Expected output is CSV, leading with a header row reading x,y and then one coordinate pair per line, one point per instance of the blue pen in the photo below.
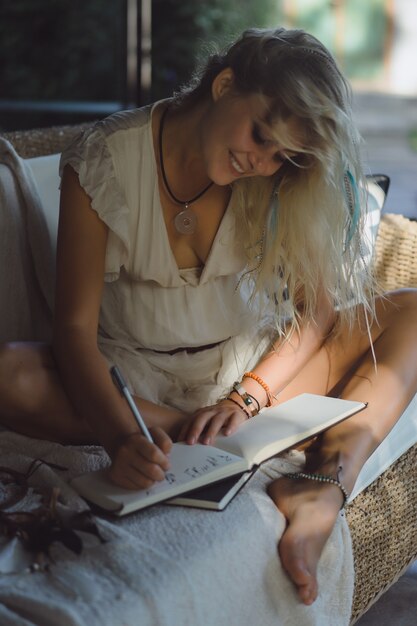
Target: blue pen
x,y
120,382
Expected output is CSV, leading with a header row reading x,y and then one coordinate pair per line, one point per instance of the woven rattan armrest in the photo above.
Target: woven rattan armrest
x,y
383,527
382,519
43,141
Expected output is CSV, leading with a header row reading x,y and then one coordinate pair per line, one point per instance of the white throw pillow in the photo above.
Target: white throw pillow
x,y
45,170
376,201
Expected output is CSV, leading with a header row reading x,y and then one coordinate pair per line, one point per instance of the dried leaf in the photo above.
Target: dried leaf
x,y
49,523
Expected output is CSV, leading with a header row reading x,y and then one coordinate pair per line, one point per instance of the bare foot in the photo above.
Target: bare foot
x,y
311,510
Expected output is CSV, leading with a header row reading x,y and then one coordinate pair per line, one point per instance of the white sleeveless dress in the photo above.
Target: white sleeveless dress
x,y
149,305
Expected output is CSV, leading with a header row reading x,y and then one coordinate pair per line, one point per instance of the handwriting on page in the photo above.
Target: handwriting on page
x,y
188,464
211,461
170,478
199,470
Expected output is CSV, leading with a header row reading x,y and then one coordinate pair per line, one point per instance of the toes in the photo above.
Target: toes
x,y
298,560
311,512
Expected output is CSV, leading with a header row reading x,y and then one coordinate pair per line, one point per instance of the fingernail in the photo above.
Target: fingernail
x,y
207,441
191,441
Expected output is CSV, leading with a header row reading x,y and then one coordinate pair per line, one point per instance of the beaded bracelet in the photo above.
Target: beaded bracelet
x,y
263,384
240,406
323,479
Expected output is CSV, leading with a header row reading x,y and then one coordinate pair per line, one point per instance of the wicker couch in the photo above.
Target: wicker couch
x,y
382,518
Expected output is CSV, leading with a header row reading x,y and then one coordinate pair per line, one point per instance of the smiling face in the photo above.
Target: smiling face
x,y
236,139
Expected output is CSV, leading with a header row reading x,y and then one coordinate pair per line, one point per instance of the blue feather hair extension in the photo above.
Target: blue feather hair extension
x,y
352,199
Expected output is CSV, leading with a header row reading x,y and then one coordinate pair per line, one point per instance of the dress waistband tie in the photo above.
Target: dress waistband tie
x,y
191,349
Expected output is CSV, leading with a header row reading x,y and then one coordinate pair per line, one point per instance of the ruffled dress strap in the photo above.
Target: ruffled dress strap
x,y
90,156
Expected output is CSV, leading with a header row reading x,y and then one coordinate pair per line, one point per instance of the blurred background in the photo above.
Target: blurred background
x,y
68,61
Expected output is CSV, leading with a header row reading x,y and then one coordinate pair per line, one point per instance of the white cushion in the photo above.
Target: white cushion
x,y
376,201
29,198
45,170
374,204
397,442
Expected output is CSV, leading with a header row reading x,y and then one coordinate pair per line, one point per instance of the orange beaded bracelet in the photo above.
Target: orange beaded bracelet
x,y
263,384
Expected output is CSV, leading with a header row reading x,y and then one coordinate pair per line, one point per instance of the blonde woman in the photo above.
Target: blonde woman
x,y
212,238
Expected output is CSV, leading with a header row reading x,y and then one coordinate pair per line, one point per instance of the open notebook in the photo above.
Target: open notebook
x,y
215,496
258,439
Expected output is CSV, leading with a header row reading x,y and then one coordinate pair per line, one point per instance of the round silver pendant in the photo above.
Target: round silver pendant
x,y
185,222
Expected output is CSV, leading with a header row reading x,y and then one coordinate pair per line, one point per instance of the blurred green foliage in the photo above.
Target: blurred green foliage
x,y
354,30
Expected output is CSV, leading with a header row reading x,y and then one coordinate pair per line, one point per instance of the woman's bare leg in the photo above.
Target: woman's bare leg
x,y
32,399
311,508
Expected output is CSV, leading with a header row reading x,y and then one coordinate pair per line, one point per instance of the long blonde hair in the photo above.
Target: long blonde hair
x,y
302,228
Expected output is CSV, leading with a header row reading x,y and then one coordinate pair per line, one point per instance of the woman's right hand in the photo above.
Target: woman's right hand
x,y
137,463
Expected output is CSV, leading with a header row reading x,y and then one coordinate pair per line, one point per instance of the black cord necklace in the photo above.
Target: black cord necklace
x,y
185,221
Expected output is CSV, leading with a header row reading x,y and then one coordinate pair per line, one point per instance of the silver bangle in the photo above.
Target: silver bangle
x,y
246,397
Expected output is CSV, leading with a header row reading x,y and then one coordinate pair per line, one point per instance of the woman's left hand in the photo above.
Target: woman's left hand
x,y
206,423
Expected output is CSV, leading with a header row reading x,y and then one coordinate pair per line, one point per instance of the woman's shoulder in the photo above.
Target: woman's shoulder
x,y
115,137
128,120
115,132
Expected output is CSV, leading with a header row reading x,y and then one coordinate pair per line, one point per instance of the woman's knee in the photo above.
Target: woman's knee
x,y
400,302
23,375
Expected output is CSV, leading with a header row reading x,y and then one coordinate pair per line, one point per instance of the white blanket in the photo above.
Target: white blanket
x,y
168,566
165,566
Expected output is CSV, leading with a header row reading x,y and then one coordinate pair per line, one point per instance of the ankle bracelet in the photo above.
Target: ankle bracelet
x,y
321,478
